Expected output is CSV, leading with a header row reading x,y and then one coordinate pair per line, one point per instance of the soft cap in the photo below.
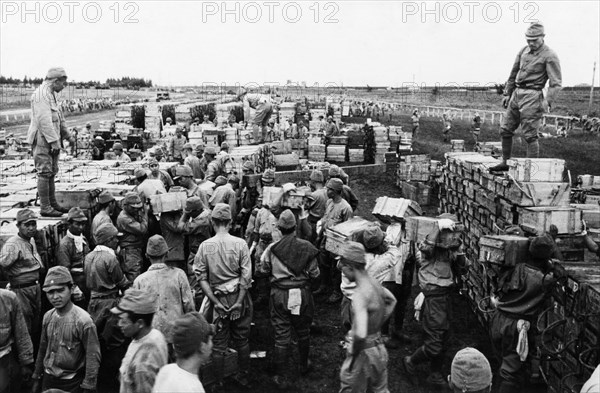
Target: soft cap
x,y
470,371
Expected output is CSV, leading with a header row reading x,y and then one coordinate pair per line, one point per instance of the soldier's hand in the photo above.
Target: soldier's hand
x,y
235,311
54,147
220,309
505,101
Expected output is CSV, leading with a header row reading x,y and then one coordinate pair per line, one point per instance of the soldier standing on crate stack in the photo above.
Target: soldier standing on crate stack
x,y
46,132
436,266
415,118
291,264
447,122
264,109
223,267
133,224
476,127
521,295
72,250
20,261
523,98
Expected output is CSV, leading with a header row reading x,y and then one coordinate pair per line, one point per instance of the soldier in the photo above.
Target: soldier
x,y
169,285
157,173
523,97
264,109
335,172
121,156
22,264
447,122
224,149
476,127
337,211
521,295
436,279
200,153
107,204
470,372
331,129
192,161
185,177
176,144
148,350
415,118
209,156
223,267
46,131
146,186
226,194
249,194
365,366
133,223
72,250
291,264
14,335
69,355
317,201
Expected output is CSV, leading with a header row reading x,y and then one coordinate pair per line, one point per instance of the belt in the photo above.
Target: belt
x,y
25,285
529,88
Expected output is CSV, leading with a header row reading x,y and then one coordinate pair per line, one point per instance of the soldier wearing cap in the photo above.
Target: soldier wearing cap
x,y
335,172
14,336
317,201
365,366
223,267
331,129
222,165
264,109
69,354
107,204
192,161
121,156
337,210
21,263
185,178
104,279
160,174
206,120
523,99
224,149
148,350
199,151
208,156
133,223
291,264
521,295
175,146
470,372
170,286
72,250
146,186
437,268
192,341
46,132
226,194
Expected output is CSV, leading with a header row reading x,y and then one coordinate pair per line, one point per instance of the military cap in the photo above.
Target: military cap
x,y
189,331
541,247
317,176
136,301
26,215
188,146
535,30
140,172
183,170
233,179
224,146
354,252
248,165
88,125
193,203
117,146
196,118
132,199
200,147
335,184
168,119
221,211
334,171
56,72
76,214
373,237
220,180
105,197
105,232
57,276
287,220
157,246
152,161
470,371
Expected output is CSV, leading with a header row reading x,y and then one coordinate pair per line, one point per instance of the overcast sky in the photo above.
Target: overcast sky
x,y
381,43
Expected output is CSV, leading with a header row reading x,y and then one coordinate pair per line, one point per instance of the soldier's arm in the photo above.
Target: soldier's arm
x,y
116,274
39,363
132,226
186,293
9,255
63,255
360,323
312,269
390,303
554,77
92,355
510,83
22,338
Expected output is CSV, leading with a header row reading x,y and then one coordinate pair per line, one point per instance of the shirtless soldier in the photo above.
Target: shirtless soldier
x,y
365,366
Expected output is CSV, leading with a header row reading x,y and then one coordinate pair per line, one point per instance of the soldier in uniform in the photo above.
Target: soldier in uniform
x,y
46,131
133,223
107,205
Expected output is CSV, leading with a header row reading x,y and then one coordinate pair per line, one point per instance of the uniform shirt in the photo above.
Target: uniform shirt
x,y
197,229
197,191
331,129
395,273
103,272
68,256
350,197
203,164
174,295
522,291
281,273
176,146
20,260
172,378
123,158
194,163
223,258
532,69
212,170
68,344
133,231
142,361
435,267
150,187
317,208
46,116
335,213
415,120
173,236
101,218
224,194
13,329
265,222
477,122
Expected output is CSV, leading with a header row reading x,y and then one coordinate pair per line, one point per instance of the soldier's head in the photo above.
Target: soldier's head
x,y
88,125
77,220
27,223
154,167
287,222
248,168
140,175
535,36
58,286
184,175
196,120
194,206
192,337
334,188
221,216
352,259
199,150
470,372
188,149
58,77
118,148
210,153
132,203
135,311
106,201
178,131
157,249
169,121
540,250
107,235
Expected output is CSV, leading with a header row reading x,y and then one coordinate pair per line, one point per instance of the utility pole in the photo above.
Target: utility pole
x,y
592,91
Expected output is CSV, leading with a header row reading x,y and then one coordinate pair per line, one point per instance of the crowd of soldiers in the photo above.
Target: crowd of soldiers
x,y
86,104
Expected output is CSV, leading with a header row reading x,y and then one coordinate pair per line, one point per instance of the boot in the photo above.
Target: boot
x,y
46,209
53,201
507,143
280,357
303,350
241,378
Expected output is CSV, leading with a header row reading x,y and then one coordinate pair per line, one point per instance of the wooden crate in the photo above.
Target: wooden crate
x,y
539,219
337,236
538,194
169,202
536,169
418,192
504,249
85,199
388,209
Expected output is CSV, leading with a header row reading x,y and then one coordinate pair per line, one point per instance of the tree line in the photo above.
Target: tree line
x,y
123,82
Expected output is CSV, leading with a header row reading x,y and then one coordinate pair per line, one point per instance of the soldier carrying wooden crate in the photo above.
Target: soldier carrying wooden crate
x,y
523,97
